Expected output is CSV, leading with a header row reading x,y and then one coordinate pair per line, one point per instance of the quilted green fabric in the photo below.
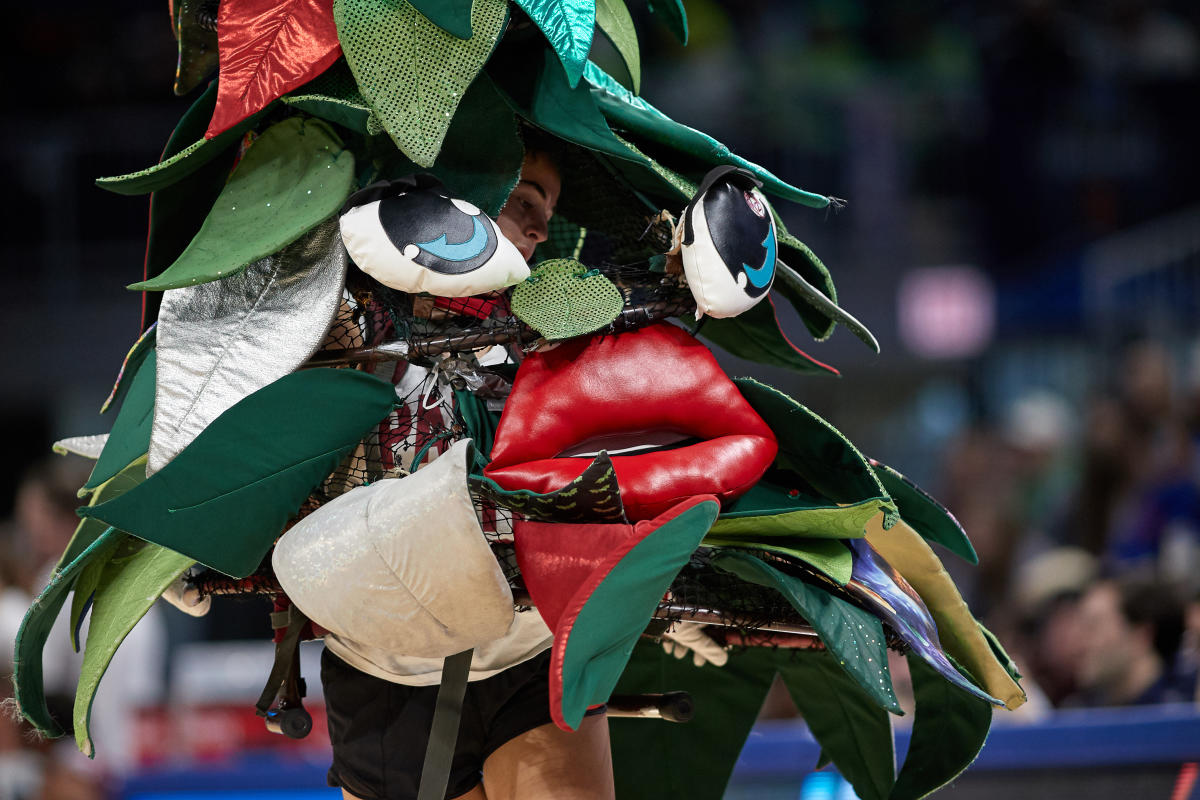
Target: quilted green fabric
x,y
292,178
411,71
563,298
225,498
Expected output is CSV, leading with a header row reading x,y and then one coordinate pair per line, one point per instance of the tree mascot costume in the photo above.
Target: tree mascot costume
x,y
356,395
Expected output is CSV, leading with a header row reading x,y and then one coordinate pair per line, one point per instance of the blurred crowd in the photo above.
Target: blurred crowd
x,y
1087,525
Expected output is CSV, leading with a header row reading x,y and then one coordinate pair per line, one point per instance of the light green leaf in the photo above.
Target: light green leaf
x,y
612,17
291,179
128,584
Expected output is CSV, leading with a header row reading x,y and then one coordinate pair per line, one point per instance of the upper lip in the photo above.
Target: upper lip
x,y
656,383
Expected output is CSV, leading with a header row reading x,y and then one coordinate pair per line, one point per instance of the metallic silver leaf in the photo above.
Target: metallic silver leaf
x,y
222,341
86,446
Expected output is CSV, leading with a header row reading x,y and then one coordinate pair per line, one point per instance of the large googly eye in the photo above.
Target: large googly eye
x,y
730,246
418,239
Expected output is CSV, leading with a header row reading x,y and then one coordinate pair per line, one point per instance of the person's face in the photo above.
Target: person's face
x,y
524,218
1108,642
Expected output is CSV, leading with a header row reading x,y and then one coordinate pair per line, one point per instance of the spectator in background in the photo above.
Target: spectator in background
x,y
1131,632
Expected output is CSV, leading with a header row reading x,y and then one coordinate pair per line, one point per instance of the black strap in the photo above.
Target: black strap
x,y
285,653
443,733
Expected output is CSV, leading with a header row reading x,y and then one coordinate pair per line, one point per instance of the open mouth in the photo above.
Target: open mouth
x,y
654,399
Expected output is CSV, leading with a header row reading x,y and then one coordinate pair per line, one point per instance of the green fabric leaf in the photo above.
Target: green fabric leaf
x,y
129,367
570,112
823,760
642,120
225,498
183,163
852,731
563,299
1000,653
593,497
828,556
816,451
673,16
293,177
804,262
568,26
198,55
412,72
927,516
28,686
452,16
612,619
335,97
130,436
85,586
756,335
803,295
612,17
950,727
768,511
853,635
137,574
89,530
654,758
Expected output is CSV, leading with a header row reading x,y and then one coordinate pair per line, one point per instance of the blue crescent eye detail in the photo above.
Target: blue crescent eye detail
x,y
461,251
761,276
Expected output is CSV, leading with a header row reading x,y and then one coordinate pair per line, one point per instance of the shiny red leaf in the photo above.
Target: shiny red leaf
x,y
267,48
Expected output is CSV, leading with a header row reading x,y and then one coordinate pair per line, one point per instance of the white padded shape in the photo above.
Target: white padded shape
x,y
375,254
717,292
401,565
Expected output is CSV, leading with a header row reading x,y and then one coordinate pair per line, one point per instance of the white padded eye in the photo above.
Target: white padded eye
x,y
423,241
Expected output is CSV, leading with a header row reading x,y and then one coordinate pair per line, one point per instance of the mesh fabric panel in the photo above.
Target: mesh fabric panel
x,y
562,298
412,72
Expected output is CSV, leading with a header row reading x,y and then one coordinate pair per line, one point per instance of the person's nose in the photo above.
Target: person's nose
x,y
537,229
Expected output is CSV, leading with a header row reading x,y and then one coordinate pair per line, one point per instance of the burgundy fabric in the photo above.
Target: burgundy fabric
x,y
563,565
266,49
657,378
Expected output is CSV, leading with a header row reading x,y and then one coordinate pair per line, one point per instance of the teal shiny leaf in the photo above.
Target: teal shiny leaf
x,y
568,26
225,498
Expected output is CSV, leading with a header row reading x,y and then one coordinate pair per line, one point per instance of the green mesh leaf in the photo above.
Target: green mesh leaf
x,y
292,178
563,298
183,163
130,436
412,72
568,26
130,582
452,16
334,96
612,17
224,499
673,16
854,636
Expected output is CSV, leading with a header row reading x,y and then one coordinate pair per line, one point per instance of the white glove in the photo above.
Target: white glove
x,y
684,637
187,599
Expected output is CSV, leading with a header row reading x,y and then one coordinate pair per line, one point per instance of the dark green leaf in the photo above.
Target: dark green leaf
x,y
225,498
927,516
130,436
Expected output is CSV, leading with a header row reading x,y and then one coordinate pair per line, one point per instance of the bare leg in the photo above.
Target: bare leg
x,y
550,763
474,794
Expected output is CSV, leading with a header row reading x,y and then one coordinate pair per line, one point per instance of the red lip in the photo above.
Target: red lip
x,y
656,383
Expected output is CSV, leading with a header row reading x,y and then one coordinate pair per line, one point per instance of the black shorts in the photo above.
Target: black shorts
x,y
379,729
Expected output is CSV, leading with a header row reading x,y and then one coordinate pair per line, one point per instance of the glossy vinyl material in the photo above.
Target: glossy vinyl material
x,y
654,379
267,48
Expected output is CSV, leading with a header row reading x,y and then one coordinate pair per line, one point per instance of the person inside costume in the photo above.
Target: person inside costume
x,y
380,704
